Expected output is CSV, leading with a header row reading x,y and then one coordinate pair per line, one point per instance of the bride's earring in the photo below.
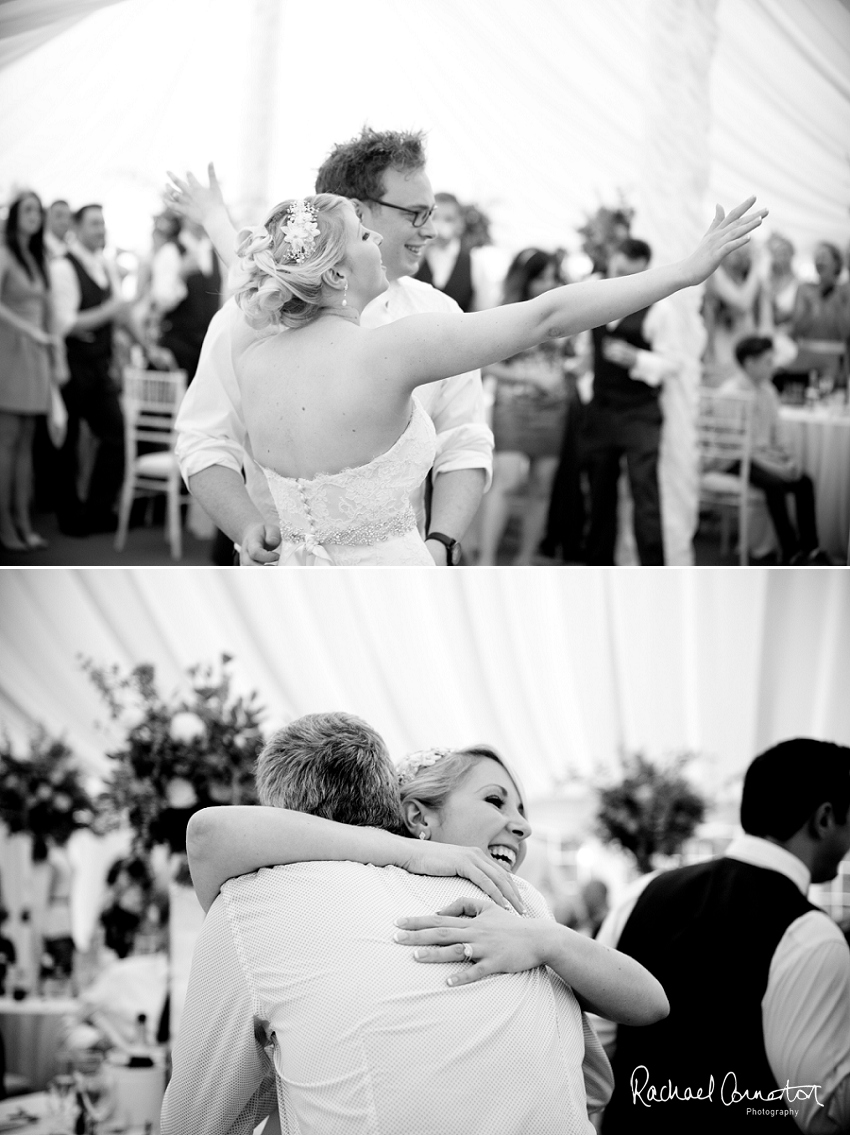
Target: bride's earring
x,y
344,294
423,835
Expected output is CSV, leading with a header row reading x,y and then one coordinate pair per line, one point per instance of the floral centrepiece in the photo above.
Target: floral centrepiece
x,y
651,811
179,754
43,794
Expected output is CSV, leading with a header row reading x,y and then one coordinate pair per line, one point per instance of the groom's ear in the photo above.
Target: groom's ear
x,y
414,816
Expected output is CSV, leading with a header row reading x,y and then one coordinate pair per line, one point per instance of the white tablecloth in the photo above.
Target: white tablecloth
x,y
820,440
32,1030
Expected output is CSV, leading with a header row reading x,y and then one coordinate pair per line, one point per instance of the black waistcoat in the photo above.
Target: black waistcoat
x,y
189,320
96,348
459,283
708,933
612,385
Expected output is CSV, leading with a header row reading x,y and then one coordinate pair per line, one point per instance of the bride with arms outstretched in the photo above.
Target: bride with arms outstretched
x,y
329,405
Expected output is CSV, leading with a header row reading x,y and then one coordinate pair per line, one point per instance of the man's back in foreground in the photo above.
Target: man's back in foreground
x,y
365,1038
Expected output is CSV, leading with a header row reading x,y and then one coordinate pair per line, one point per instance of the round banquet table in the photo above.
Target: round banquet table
x,y
32,1030
820,440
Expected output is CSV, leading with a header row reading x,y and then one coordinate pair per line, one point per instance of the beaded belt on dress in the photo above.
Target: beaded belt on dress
x,y
363,534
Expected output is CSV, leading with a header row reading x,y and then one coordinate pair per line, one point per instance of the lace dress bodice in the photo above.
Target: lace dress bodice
x,y
361,515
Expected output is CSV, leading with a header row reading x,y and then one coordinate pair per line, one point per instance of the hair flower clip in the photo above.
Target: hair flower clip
x,y
415,762
300,230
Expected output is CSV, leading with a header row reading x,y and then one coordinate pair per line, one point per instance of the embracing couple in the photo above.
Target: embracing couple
x,y
327,993
339,384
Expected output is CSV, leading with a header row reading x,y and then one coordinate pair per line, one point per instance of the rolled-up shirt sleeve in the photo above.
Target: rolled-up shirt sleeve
x,y
210,428
655,366
464,440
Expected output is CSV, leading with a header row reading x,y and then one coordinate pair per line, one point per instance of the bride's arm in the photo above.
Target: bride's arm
x,y
425,348
205,205
235,839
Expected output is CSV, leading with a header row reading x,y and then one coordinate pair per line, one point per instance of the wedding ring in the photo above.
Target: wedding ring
x,y
467,951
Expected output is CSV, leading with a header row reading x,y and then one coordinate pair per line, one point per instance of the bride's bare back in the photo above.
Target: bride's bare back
x,y
315,401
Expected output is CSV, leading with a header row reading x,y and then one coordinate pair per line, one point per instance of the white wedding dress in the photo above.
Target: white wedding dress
x,y
360,516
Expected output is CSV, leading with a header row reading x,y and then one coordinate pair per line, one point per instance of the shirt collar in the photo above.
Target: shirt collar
x,y
762,853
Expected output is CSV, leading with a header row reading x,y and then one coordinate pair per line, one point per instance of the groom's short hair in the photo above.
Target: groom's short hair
x,y
332,765
356,168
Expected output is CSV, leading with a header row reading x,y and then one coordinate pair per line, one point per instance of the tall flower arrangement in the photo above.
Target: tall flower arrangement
x,y
43,793
178,754
651,811
603,230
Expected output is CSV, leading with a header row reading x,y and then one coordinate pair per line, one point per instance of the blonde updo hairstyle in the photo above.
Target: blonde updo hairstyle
x,y
433,784
277,293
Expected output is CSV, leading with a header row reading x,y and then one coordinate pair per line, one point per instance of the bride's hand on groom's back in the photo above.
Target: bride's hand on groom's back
x,y
425,857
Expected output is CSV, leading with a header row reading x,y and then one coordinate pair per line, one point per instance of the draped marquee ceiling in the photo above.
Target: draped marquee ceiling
x,y
559,669
536,110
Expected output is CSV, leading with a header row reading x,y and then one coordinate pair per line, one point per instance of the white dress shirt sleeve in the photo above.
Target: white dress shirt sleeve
x,y
464,440
168,287
806,1021
210,425
653,367
66,294
223,1079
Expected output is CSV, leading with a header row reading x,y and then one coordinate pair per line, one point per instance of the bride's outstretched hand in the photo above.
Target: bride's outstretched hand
x,y
193,200
727,232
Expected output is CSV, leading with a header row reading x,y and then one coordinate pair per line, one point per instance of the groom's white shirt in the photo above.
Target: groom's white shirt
x,y
364,1038
211,426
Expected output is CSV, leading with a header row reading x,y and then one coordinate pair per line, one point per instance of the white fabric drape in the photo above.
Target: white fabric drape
x,y
27,24
534,110
675,167
560,669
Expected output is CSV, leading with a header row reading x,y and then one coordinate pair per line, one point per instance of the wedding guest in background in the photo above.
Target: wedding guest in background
x,y
186,291
736,303
529,414
88,305
8,956
631,358
772,468
57,229
821,320
757,976
447,264
781,284
28,350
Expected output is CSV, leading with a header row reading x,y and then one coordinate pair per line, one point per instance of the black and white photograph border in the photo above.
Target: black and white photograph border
x,y
572,676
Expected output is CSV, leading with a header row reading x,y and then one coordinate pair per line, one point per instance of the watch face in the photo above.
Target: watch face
x,y
454,553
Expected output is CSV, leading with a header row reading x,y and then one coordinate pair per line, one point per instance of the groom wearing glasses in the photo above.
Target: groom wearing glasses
x,y
384,174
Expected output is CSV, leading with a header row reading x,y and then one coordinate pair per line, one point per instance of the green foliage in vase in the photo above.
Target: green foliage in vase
x,y
652,811
43,793
178,754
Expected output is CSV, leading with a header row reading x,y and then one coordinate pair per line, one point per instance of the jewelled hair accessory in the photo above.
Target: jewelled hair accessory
x,y
411,765
300,230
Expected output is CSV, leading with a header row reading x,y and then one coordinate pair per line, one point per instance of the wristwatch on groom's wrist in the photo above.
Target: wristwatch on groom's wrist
x,y
453,548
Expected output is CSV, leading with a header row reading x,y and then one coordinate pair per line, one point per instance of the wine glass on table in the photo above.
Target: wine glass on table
x,y
62,1104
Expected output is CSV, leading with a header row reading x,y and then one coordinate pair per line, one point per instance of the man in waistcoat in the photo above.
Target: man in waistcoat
x,y
186,290
88,305
446,264
624,418
758,979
